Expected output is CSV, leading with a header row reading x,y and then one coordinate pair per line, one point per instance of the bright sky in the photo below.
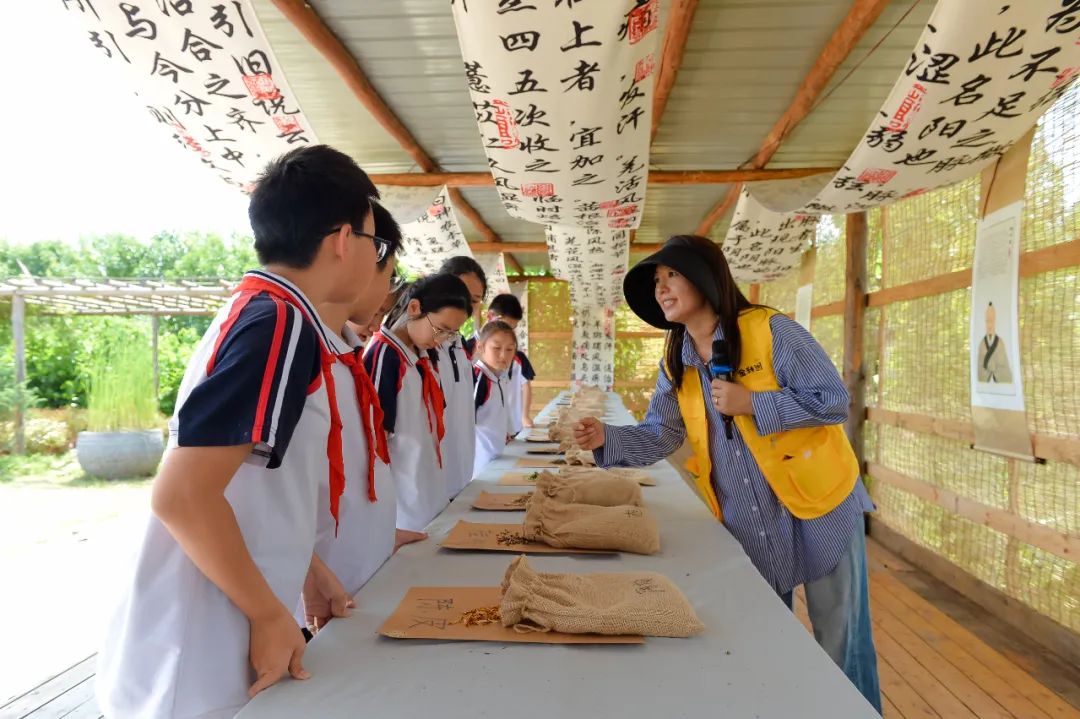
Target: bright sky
x,y
80,155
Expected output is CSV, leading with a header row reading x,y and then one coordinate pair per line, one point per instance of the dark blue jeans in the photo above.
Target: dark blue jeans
x,y
839,608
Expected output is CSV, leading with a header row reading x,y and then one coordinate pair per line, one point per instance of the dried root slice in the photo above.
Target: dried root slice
x,y
481,616
520,501
508,538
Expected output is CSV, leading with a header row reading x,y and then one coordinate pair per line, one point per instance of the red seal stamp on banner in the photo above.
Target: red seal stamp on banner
x,y
261,87
537,189
643,20
622,211
909,107
876,176
644,67
287,124
504,123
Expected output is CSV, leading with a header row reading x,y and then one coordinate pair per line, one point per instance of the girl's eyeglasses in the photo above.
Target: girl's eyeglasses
x,y
438,332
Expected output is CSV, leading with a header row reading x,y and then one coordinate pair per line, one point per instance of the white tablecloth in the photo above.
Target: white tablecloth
x,y
754,660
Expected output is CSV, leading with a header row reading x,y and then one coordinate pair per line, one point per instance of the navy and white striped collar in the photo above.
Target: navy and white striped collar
x,y
488,372
326,334
389,336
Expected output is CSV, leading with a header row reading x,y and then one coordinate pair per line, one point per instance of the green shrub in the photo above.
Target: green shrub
x,y
122,385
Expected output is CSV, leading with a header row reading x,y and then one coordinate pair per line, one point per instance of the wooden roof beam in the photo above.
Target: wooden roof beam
x,y
860,17
656,177
680,18
315,31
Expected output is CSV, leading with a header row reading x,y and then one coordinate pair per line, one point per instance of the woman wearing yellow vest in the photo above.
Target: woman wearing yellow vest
x,y
770,458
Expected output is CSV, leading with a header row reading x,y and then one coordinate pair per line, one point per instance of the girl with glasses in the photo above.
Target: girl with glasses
x,y
411,397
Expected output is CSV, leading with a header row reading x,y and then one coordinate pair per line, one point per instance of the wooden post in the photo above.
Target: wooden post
x,y
854,315
155,325
18,333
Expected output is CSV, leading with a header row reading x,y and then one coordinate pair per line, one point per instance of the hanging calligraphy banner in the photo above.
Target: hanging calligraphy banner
x,y
407,204
206,74
593,347
521,291
433,238
761,245
563,99
592,260
977,80
494,266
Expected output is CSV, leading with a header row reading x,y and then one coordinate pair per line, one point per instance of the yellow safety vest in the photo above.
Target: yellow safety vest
x,y
811,470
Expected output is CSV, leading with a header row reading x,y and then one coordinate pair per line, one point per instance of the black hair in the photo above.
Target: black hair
x,y
464,265
301,197
388,229
493,328
436,292
732,304
507,305
400,304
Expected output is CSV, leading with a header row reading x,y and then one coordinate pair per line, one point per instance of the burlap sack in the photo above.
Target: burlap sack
x,y
580,458
604,490
587,526
635,475
642,603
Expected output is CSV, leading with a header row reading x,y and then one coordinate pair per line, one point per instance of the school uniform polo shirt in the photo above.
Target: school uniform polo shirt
x,y
492,415
521,372
177,646
364,539
456,375
414,444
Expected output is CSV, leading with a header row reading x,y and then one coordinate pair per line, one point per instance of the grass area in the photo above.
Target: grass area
x,y
48,468
59,470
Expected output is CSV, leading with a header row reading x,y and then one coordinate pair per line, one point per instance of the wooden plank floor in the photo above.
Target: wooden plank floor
x,y
931,666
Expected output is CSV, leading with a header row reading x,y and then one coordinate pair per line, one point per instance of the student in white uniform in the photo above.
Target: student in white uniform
x,y
495,350
206,620
363,538
507,307
455,372
411,398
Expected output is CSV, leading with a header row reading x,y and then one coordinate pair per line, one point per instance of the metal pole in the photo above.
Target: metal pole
x,y
155,322
18,332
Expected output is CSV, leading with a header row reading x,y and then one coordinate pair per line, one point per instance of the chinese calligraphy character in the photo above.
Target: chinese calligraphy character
x,y
582,79
579,41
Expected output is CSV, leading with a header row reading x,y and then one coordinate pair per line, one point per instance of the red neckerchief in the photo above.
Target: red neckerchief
x,y
371,416
252,285
435,401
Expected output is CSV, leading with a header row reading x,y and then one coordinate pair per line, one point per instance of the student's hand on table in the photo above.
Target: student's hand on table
x,y
324,597
404,536
275,649
589,433
731,399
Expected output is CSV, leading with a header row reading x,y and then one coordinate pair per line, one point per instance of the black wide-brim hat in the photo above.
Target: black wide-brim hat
x,y
638,285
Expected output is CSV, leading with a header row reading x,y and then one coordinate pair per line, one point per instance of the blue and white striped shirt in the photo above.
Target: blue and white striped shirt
x,y
786,550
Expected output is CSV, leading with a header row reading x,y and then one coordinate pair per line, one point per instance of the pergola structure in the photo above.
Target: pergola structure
x,y
99,297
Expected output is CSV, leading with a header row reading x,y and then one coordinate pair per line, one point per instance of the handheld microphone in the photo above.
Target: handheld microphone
x,y
720,368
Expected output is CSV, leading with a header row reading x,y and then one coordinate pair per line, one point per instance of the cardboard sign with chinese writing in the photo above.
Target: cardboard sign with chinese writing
x,y
435,613
496,538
